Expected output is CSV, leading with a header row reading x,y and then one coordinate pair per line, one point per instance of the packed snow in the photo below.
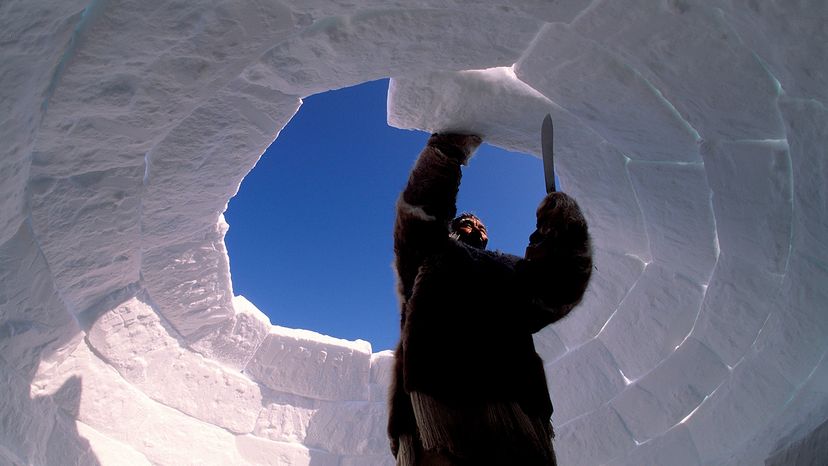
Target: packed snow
x,y
693,133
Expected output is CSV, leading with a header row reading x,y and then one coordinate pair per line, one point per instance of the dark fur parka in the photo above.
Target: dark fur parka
x,y
468,383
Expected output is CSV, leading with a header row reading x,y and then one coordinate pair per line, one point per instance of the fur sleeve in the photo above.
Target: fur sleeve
x,y
558,263
427,205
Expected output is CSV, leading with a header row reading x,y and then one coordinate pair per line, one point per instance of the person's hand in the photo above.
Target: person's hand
x,y
456,145
560,224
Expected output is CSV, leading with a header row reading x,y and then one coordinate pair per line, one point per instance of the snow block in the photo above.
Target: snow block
x,y
26,423
674,448
795,336
354,428
563,11
491,103
548,344
752,200
607,95
306,363
382,372
220,140
653,320
731,97
108,451
612,278
675,201
591,365
596,175
66,446
787,37
809,450
133,340
797,420
35,328
807,127
189,283
661,399
738,408
88,226
236,341
254,450
285,417
36,36
595,438
736,305
121,412
346,50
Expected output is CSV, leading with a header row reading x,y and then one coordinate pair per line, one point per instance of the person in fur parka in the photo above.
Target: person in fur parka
x,y
468,386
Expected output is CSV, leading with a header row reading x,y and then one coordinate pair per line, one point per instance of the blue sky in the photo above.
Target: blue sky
x,y
310,229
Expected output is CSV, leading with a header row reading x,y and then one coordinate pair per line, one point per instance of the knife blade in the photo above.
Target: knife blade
x,y
547,151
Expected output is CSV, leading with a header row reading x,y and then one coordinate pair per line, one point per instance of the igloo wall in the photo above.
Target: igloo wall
x,y
692,132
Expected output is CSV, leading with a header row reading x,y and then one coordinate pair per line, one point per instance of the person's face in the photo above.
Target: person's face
x,y
472,232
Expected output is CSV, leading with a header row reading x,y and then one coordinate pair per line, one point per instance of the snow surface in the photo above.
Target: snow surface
x,y
693,133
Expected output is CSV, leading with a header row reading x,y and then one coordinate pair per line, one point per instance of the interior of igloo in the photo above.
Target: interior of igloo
x,y
692,133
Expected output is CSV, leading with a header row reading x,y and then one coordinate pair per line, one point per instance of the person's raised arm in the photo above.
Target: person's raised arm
x,y
428,203
558,263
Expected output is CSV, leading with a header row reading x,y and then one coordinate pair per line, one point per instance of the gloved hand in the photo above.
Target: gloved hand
x,y
561,227
458,146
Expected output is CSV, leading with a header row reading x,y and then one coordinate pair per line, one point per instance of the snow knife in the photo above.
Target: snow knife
x,y
548,154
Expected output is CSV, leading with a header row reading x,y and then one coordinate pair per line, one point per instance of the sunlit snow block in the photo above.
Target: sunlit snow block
x,y
309,364
747,400
807,125
255,450
133,340
189,282
653,320
752,190
612,278
107,450
491,103
66,446
607,95
661,399
116,409
236,341
788,37
352,428
736,305
594,438
675,448
285,417
346,50
382,373
795,336
675,202
731,97
591,365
